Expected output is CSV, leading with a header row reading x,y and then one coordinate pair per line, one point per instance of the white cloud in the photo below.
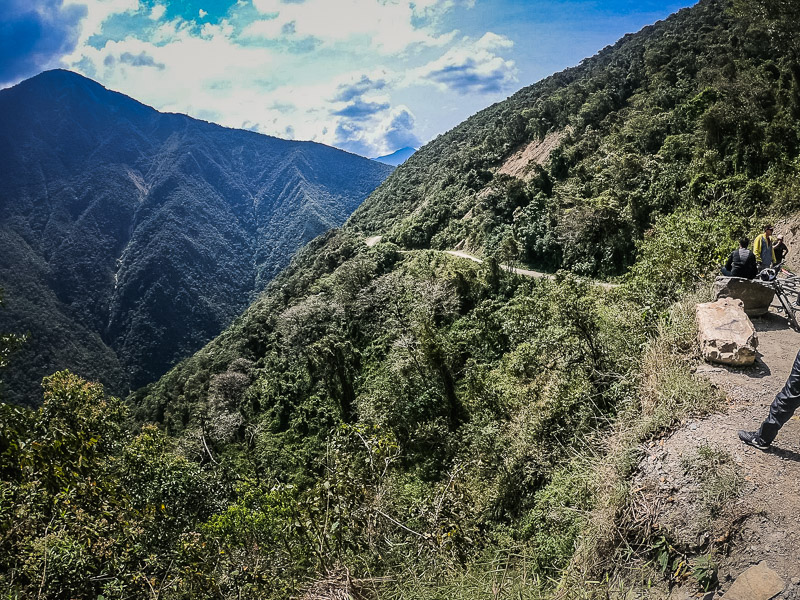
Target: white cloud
x,y
157,12
340,95
386,27
382,134
202,13
472,67
98,11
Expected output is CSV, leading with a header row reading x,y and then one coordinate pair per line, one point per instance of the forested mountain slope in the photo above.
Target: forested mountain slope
x,y
696,110
694,118
128,237
391,421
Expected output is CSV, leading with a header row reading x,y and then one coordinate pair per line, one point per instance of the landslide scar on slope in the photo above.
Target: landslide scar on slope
x,y
537,152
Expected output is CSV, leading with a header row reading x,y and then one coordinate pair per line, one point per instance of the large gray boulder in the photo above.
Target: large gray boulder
x,y
755,296
725,333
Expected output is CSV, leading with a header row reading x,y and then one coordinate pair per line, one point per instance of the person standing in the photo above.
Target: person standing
x,y
762,247
780,249
741,262
783,407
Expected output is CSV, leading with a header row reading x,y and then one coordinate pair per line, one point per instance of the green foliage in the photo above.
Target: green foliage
x,y
87,508
61,494
471,388
704,572
395,416
681,249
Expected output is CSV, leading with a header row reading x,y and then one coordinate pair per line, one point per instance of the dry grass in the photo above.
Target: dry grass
x,y
338,585
611,560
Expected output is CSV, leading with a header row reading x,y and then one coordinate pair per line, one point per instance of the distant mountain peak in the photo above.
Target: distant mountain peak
x,y
396,158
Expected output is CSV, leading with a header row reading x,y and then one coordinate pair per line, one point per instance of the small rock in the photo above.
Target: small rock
x,y
756,583
795,580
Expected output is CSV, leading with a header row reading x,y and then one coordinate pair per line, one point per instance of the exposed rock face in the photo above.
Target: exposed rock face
x,y
725,332
755,296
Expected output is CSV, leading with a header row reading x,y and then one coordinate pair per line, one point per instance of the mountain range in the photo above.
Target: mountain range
x,y
130,237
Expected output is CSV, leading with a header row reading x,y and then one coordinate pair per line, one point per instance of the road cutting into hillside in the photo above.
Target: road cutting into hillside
x,y
375,239
763,523
510,269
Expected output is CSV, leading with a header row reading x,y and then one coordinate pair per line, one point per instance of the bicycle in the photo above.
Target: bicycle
x,y
783,286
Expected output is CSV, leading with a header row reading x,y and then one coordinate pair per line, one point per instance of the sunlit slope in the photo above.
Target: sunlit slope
x,y
698,109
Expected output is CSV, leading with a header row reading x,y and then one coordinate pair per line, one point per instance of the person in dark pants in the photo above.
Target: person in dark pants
x,y
786,402
741,262
780,249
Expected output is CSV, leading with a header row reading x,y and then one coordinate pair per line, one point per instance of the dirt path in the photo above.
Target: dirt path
x,y
763,524
371,241
523,272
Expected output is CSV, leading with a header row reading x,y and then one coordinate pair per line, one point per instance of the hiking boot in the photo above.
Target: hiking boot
x,y
751,439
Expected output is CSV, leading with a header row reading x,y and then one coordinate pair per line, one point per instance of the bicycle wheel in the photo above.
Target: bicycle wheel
x,y
787,308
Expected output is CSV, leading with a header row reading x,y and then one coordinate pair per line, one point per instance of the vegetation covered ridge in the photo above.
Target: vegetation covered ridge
x,y
698,110
391,424
130,237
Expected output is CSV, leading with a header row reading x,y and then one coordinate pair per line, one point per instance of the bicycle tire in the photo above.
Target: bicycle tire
x,y
787,308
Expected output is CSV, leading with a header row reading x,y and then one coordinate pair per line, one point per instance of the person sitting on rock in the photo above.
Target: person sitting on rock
x,y
741,262
780,249
783,406
762,247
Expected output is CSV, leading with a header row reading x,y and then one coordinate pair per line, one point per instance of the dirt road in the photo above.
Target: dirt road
x,y
763,524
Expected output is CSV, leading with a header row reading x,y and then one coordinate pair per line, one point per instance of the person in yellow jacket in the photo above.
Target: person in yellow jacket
x,y
762,248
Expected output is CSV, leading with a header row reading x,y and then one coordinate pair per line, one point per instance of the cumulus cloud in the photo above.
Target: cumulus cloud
x,y
473,67
98,12
34,35
390,131
400,131
366,123
346,92
388,28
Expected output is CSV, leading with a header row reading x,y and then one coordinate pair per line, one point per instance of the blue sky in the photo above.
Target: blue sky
x,y
367,76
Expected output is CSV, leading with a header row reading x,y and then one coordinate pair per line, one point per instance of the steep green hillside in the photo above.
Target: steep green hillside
x,y
693,111
392,421
129,238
